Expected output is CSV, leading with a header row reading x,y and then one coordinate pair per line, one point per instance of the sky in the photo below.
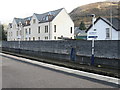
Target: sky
x,y
24,8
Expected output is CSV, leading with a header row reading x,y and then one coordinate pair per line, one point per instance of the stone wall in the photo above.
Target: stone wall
x,y
107,53
105,49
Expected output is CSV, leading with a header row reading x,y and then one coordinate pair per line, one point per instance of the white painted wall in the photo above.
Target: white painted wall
x,y
62,21
119,35
34,29
13,30
101,26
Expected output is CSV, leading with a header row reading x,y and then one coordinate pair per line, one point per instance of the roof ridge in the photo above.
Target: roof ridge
x,y
49,11
40,16
107,21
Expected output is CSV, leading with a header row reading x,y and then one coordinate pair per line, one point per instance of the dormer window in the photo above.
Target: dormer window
x,y
20,24
43,18
49,17
10,26
27,22
46,18
34,21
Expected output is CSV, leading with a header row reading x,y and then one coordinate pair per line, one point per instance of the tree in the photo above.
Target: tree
x,y
2,33
82,26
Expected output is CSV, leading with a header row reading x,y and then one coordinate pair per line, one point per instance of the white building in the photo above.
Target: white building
x,y
104,29
48,26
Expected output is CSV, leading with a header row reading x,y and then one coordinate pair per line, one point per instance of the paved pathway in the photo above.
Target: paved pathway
x,y
18,74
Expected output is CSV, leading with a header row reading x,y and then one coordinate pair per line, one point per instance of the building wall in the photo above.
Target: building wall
x,y
12,32
33,27
62,21
63,24
101,26
34,30
119,35
27,35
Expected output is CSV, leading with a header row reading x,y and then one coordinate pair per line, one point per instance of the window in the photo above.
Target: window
x,y
107,33
95,29
46,29
70,29
26,39
46,37
29,30
20,32
54,37
54,28
34,21
8,33
26,31
33,38
39,29
11,33
29,38
38,38
17,33
47,18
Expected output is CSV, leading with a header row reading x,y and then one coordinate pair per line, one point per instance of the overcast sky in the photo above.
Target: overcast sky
x,y
24,8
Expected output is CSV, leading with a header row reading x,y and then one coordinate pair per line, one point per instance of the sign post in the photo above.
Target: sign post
x,y
92,57
93,48
92,35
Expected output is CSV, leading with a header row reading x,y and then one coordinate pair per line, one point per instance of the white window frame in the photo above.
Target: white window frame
x,y
55,28
39,29
107,33
34,21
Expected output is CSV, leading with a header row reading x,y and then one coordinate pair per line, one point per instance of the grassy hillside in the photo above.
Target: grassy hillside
x,y
99,9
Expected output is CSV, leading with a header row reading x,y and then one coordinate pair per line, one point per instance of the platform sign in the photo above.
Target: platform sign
x,y
92,34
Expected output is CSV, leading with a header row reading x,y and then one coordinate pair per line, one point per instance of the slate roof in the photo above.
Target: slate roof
x,y
115,23
41,17
79,32
10,24
22,20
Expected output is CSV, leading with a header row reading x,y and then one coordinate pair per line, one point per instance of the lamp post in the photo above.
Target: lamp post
x,y
93,42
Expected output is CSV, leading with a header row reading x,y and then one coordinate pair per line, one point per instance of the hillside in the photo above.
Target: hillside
x,y
99,9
